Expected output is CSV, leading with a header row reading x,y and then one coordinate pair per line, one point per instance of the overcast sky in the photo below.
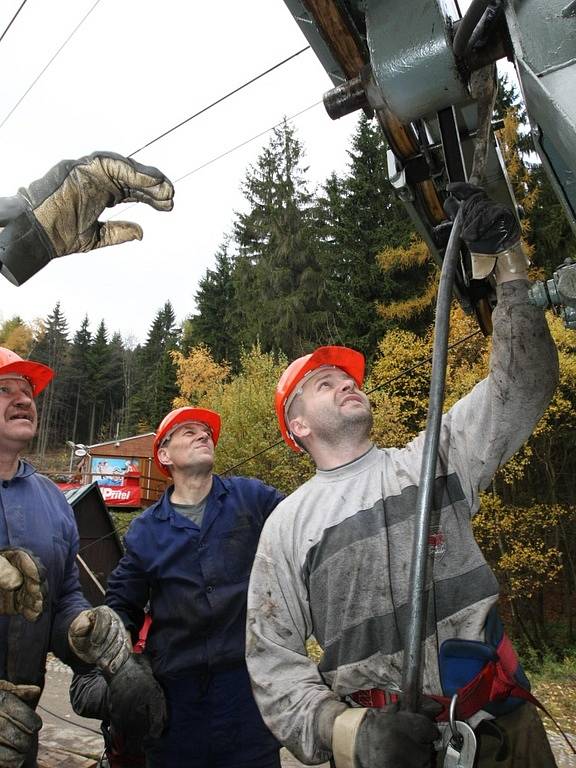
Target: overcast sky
x,y
134,69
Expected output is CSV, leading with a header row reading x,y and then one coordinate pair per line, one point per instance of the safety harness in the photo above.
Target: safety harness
x,y
493,685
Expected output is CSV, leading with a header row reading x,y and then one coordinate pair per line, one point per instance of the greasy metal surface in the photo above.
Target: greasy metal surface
x,y
412,57
483,88
345,98
548,37
545,49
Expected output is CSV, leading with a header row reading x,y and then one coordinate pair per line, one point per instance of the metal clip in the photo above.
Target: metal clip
x,y
460,749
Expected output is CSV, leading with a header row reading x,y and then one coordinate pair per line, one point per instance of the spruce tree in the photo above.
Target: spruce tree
x,y
359,216
80,382
280,291
55,413
155,385
215,321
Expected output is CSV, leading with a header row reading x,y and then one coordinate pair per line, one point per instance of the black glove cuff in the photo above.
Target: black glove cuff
x,y
24,248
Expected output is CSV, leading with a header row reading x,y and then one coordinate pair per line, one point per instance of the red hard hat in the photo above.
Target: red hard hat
x,y
347,359
184,416
38,375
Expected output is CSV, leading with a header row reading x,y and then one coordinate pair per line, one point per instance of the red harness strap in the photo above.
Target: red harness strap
x,y
494,682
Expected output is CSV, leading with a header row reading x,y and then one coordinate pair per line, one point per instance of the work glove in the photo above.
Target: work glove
x,y
387,737
19,723
58,214
490,230
136,703
22,584
98,636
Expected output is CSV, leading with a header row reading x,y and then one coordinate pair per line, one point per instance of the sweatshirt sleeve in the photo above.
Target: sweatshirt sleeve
x,y
486,427
293,699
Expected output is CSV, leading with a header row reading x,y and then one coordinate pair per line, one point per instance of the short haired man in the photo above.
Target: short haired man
x,y
189,556
41,604
334,558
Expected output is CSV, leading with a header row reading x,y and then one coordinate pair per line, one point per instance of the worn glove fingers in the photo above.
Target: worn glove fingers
x,y
28,565
136,700
139,183
10,577
116,232
28,598
98,637
18,723
29,694
461,190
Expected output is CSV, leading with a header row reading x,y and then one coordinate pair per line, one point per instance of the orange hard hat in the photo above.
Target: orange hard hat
x,y
349,360
38,374
184,416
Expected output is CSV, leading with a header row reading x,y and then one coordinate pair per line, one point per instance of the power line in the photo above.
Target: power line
x,y
13,19
221,99
226,153
422,362
33,83
244,143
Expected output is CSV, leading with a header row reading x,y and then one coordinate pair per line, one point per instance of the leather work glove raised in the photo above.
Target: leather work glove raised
x,y
98,636
58,214
387,738
136,702
22,584
19,723
490,230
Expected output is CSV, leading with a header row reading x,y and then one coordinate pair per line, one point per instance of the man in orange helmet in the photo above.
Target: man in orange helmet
x,y
334,559
41,603
189,557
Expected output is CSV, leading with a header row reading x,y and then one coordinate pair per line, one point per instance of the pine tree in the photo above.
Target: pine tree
x,y
53,404
155,386
214,323
101,374
80,382
359,216
280,293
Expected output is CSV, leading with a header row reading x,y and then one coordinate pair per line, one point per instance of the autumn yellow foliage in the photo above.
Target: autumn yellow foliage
x,y
250,441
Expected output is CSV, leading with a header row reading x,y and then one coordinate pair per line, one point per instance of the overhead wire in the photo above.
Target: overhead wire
x,y
244,143
220,100
52,59
13,19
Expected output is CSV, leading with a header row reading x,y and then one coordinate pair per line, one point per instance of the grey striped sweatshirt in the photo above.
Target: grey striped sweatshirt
x,y
334,557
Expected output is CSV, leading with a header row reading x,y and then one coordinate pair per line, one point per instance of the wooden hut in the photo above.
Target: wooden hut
x,y
124,470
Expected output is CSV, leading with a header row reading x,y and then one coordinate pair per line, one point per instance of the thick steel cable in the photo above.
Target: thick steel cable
x,y
412,664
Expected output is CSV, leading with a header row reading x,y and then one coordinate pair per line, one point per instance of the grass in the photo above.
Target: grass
x,y
554,685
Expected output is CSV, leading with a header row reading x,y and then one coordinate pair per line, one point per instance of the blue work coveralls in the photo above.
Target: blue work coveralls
x,y
34,515
196,581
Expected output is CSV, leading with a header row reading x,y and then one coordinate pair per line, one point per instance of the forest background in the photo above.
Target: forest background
x,y
336,265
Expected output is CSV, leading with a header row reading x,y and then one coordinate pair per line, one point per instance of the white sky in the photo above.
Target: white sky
x,y
134,69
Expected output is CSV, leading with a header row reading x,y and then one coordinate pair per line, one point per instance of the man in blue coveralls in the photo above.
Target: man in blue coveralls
x,y
41,603
190,555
